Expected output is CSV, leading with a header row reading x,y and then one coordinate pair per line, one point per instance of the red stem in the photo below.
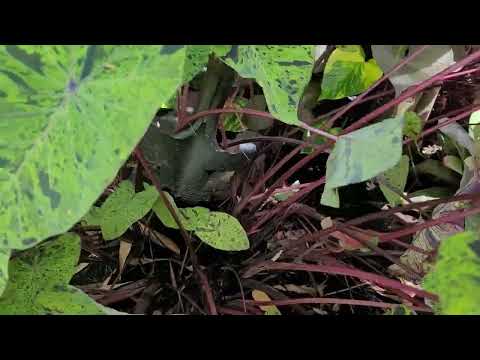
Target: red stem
x,y
205,113
455,215
320,235
411,92
378,82
334,301
338,270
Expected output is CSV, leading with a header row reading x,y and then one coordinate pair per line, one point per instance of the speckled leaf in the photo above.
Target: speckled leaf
x,y
397,177
39,280
364,153
347,73
223,232
283,71
4,256
455,277
70,116
162,212
197,58
123,208
429,62
219,230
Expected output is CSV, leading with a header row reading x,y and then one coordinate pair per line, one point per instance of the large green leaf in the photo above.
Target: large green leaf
x,y
455,277
38,283
69,117
122,209
282,71
219,230
347,73
363,154
429,62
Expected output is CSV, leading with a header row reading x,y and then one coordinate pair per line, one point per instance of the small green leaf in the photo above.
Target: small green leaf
x,y
396,176
363,154
283,72
347,73
39,280
413,125
162,212
122,209
223,232
330,197
219,230
455,277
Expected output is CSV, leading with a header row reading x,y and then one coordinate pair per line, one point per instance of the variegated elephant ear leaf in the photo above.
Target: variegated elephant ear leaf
x,y
76,113
282,71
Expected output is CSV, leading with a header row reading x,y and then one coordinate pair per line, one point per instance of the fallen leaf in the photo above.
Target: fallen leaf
x,y
269,309
125,247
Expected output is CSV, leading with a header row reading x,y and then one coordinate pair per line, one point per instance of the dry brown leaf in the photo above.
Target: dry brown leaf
x,y
80,267
123,252
261,296
160,239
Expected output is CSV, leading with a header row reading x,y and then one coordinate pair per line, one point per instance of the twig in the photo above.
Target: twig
x,y
183,232
337,270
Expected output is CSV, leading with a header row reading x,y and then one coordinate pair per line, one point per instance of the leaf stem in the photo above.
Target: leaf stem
x,y
203,280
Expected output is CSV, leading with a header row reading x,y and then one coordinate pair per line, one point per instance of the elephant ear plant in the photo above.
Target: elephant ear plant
x,y
72,115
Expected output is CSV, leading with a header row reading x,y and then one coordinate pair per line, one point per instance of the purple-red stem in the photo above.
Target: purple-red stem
x,y
337,270
327,300
378,82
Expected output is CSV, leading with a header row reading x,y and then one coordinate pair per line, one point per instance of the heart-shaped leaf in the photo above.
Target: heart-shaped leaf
x,y
39,281
76,113
347,73
122,209
219,230
282,71
363,154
